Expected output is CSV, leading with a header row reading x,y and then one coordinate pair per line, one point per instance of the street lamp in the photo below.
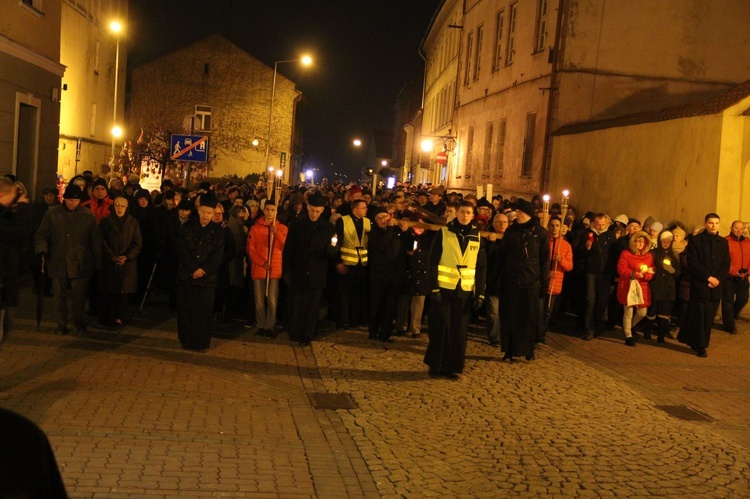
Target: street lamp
x,y
309,175
115,27
305,60
357,143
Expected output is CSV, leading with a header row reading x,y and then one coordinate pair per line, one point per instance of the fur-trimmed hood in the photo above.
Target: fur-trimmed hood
x,y
635,236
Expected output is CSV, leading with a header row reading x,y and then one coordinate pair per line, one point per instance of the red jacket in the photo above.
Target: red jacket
x,y
631,262
739,254
558,245
257,248
100,209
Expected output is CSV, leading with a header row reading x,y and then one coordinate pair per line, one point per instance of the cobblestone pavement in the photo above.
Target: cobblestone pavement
x,y
554,426
131,414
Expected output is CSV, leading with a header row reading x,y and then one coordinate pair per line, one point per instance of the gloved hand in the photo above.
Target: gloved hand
x,y
669,269
437,297
478,302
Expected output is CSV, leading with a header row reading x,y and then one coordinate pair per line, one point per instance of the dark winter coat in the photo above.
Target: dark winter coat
x,y
15,226
306,252
524,257
417,281
200,248
71,241
664,284
598,257
119,238
387,256
708,256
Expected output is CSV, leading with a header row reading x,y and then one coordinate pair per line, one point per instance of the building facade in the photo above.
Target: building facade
x,y
528,67
214,88
91,53
30,89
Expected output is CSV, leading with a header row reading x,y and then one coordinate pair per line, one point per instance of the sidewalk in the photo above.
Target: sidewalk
x,y
134,415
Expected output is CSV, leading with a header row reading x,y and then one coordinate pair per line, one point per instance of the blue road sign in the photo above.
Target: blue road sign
x,y
189,148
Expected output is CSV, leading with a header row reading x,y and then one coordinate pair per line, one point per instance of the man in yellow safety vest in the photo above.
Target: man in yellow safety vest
x,y
351,283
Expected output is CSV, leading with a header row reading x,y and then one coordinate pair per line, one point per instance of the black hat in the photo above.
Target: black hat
x,y
49,190
204,186
73,192
99,181
316,200
185,204
378,211
526,206
485,203
142,193
209,200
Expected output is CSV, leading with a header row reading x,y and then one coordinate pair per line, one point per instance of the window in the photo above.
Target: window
x,y
92,123
96,56
469,152
541,26
469,47
528,145
500,154
34,5
487,149
512,22
498,55
203,115
478,54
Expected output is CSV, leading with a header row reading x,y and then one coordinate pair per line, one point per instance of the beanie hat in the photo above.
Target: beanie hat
x,y
526,206
73,192
634,221
649,221
209,200
623,219
142,193
185,204
657,226
483,202
679,231
98,182
316,200
666,235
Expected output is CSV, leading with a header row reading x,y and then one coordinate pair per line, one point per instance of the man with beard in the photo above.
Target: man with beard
x,y
458,265
708,260
68,243
524,260
310,242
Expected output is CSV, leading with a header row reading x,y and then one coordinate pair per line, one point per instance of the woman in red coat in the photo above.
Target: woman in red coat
x,y
635,263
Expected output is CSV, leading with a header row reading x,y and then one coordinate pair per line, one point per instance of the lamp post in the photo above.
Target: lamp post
x,y
115,27
305,61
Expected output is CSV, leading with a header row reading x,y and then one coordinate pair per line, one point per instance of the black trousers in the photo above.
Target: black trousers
x,y
734,298
352,290
383,298
449,322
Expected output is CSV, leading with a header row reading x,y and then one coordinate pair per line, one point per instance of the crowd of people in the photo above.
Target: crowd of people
x,y
387,261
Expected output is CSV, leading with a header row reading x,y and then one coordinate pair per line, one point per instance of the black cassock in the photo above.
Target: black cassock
x,y
199,248
707,256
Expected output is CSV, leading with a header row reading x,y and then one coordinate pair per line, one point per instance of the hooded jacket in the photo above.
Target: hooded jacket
x,y
632,262
257,248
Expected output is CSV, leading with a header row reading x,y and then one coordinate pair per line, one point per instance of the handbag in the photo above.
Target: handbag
x,y
635,294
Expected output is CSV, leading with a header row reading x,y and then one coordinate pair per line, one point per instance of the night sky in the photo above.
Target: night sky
x,y
364,50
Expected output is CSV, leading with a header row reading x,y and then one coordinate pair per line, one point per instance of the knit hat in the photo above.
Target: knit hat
x,y
142,193
649,221
73,192
657,226
317,200
98,182
526,206
378,211
678,231
633,221
483,202
209,200
185,204
623,219
666,235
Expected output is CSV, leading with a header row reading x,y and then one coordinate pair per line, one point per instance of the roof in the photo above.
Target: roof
x,y
714,106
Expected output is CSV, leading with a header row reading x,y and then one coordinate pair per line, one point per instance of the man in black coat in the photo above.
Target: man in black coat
x,y
387,254
200,249
708,261
524,260
599,270
309,245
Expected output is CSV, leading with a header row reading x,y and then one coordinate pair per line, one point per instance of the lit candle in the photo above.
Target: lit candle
x,y
545,210
334,240
416,244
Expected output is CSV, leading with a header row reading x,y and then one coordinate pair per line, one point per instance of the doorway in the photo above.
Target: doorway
x,y
27,142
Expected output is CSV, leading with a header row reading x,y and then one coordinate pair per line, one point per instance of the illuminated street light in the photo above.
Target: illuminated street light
x,y
115,27
305,60
255,142
384,162
427,145
309,175
357,143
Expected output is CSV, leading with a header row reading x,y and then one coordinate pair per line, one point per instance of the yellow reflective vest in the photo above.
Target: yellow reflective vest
x,y
353,249
455,266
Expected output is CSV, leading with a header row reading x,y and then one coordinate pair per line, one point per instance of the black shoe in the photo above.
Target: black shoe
x,y
588,336
260,332
61,331
731,330
494,343
401,332
531,357
304,343
433,374
701,352
387,340
630,341
646,336
452,376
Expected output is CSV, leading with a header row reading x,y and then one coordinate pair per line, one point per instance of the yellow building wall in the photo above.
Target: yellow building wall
x,y
39,31
668,170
